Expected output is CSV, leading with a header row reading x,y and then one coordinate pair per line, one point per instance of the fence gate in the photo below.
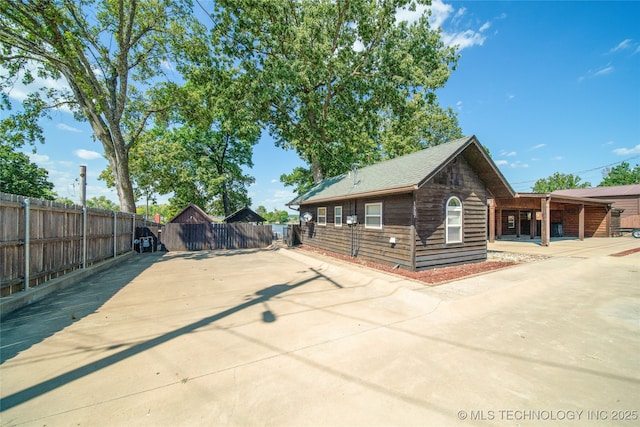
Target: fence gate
x,y
197,237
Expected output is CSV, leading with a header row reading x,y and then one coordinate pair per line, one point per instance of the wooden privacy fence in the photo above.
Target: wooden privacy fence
x,y
197,237
53,241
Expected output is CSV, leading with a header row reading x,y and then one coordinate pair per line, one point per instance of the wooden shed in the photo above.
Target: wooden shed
x,y
423,210
245,214
192,214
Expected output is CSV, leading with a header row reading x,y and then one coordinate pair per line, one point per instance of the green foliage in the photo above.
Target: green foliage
x,y
107,52
19,176
559,181
621,175
163,210
198,149
340,82
275,217
102,203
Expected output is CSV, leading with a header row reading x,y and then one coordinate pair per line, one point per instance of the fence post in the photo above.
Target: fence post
x,y
27,243
133,232
83,178
115,234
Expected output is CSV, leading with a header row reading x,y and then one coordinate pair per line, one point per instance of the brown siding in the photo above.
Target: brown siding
x,y
596,224
456,179
191,216
630,218
364,243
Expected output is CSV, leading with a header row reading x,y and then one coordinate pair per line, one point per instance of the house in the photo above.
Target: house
x,y
625,198
422,210
245,215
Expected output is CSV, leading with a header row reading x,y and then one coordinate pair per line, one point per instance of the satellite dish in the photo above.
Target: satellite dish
x,y
307,217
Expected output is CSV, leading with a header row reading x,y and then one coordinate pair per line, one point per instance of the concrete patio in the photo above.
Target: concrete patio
x,y
277,337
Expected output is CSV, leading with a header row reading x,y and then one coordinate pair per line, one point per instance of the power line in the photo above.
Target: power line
x,y
584,171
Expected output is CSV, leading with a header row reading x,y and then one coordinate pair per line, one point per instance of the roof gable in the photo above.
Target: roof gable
x,y
192,214
407,173
244,215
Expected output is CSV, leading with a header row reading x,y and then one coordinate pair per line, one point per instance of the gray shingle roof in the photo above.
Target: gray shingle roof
x,y
399,174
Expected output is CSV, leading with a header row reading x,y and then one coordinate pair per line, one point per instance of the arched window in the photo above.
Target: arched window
x,y
454,221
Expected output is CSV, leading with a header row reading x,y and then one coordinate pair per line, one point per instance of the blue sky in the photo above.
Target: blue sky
x,y
546,86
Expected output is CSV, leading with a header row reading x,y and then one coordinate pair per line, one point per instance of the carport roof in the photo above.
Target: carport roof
x,y
408,173
554,197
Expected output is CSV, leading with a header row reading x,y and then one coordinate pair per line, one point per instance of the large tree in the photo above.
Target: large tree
x,y
622,174
102,50
338,77
197,150
559,181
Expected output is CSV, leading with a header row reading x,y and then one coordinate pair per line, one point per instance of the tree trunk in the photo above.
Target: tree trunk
x,y
316,169
120,166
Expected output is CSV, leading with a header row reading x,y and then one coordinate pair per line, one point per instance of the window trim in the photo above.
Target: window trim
x,y
367,216
324,217
337,223
448,226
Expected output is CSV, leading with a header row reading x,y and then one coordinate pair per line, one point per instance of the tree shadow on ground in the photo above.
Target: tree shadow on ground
x,y
33,323
262,296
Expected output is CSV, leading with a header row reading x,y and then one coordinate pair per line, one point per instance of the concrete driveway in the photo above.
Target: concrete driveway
x,y
279,338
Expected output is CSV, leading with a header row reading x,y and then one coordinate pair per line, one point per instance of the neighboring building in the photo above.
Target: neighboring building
x,y
423,210
625,198
245,215
192,214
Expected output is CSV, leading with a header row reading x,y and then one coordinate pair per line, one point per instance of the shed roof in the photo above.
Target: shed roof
x,y
244,215
615,191
408,173
200,215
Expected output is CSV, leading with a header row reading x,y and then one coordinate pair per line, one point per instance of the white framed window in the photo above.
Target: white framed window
x,y
322,216
373,215
337,217
454,221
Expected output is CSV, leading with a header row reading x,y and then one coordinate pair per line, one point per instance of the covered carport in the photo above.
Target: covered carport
x,y
546,215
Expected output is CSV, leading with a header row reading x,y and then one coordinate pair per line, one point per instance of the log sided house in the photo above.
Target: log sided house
x,y
422,210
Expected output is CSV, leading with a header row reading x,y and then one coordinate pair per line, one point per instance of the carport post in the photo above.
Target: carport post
x,y
546,227
581,222
492,221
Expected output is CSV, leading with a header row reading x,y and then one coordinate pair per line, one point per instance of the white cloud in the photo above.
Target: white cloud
x,y
518,165
448,19
463,39
536,147
558,158
606,70
508,153
87,154
501,162
63,126
627,151
459,105
40,159
624,44
603,71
